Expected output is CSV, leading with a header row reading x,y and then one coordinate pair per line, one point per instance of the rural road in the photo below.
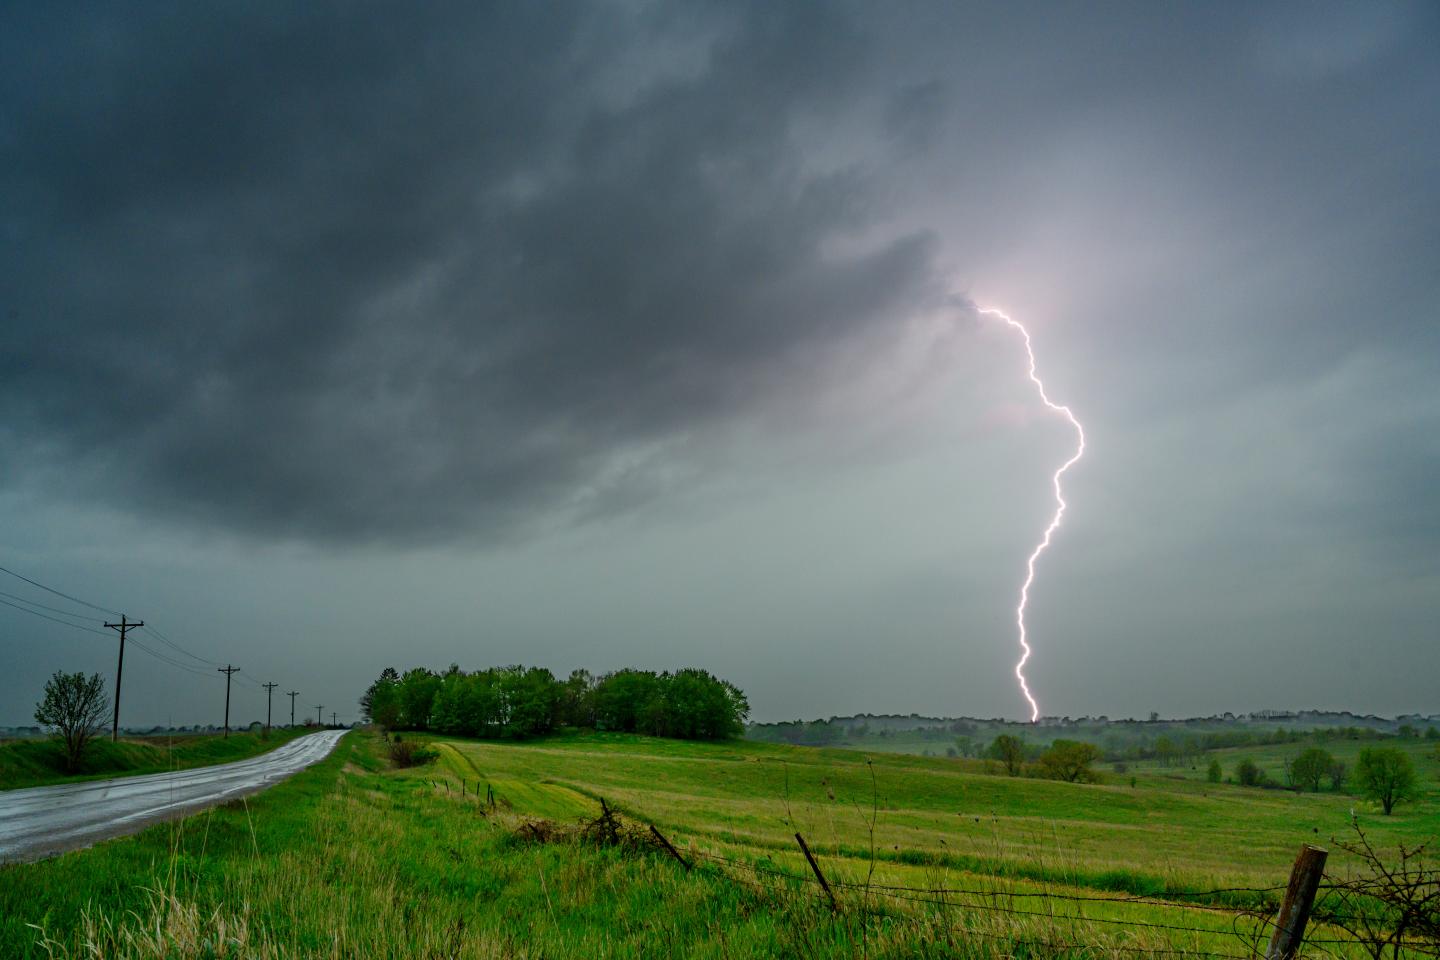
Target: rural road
x,y
39,821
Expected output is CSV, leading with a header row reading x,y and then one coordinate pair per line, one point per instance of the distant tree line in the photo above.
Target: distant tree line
x,y
518,702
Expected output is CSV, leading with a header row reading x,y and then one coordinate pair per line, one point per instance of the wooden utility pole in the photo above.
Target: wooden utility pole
x,y
122,626
227,670
333,721
319,715
292,695
1295,908
269,692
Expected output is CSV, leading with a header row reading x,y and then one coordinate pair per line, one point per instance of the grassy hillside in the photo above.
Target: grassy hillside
x,y
33,763
354,858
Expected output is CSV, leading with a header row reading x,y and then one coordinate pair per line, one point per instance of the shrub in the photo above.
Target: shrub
x,y
408,753
1249,774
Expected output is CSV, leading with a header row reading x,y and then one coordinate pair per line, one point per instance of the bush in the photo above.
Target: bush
x,y
408,753
1213,772
1249,774
1069,760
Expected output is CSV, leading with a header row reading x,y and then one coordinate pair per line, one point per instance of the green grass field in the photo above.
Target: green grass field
x,y
33,763
352,858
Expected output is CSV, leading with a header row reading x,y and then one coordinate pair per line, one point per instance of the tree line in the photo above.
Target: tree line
x,y
517,702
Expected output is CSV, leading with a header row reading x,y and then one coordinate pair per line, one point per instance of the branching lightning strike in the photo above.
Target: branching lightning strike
x,y
1060,505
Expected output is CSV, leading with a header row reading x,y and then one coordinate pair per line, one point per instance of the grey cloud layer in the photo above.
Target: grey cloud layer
x,y
349,275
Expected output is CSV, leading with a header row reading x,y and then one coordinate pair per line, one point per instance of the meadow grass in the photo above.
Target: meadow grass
x,y
351,858
41,761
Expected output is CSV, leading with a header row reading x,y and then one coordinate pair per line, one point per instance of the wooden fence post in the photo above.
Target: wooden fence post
x,y
818,875
1295,908
667,845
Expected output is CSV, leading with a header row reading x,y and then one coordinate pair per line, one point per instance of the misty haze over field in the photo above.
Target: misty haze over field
x,y
335,338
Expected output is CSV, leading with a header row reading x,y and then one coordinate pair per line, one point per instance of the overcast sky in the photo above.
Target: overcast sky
x,y
343,336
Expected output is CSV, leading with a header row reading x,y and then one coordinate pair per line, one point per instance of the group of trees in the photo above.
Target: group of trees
x,y
517,702
1385,775
1067,760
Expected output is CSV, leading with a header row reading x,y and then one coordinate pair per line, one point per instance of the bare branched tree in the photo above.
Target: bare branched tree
x,y
1389,906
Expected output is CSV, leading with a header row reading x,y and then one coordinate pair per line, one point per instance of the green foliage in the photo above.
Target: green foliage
x,y
380,704
1213,773
1336,773
1387,776
75,705
1069,760
1309,768
1249,774
519,702
410,753
1008,750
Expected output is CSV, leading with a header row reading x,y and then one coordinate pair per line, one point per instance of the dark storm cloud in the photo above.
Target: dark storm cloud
x,y
343,274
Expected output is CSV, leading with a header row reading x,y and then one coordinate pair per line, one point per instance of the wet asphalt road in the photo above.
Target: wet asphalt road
x,y
39,821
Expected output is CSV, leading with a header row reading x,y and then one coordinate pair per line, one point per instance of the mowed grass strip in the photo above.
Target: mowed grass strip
x,y
41,761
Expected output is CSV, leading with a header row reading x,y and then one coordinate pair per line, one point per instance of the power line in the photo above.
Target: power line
x,y
58,593
46,616
33,603
170,660
175,646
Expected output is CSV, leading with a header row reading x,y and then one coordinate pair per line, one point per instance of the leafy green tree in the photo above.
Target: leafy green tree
x,y
1213,773
577,702
380,704
417,691
1309,768
1387,776
1248,773
1336,773
75,705
1008,750
621,699
1069,760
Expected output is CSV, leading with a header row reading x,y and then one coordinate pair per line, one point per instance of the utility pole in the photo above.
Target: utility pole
x,y
269,692
227,670
292,695
122,626
319,716
333,721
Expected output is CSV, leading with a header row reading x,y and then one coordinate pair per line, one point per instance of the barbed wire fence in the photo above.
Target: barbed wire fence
x,y
1386,910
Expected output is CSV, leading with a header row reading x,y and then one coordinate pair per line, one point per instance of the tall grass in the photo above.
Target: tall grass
x,y
353,859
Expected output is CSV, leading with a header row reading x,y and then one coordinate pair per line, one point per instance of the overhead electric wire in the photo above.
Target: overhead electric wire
x,y
179,665
175,646
77,616
47,616
58,593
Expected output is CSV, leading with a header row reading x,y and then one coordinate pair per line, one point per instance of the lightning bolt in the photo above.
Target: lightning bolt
x,y
1060,505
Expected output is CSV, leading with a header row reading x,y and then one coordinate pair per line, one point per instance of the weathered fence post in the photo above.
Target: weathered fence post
x,y
666,844
818,875
1295,908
